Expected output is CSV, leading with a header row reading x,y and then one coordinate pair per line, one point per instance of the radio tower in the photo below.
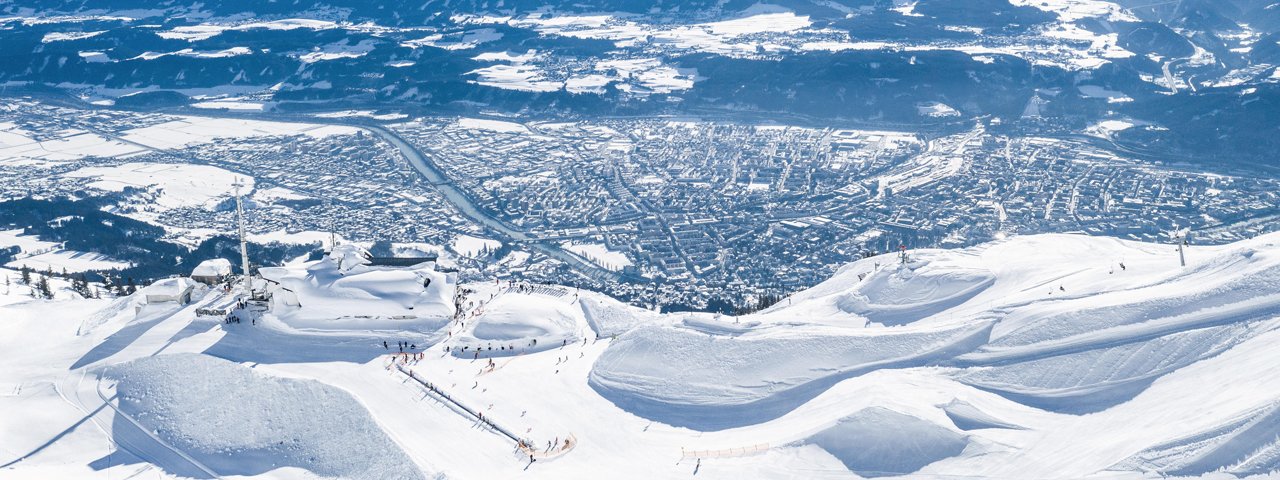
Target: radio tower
x,y
1181,238
333,232
244,250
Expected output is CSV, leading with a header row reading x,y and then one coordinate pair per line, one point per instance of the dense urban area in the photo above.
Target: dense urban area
x,y
677,213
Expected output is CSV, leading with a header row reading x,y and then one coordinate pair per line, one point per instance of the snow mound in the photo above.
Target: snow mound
x,y
878,442
214,267
1101,377
607,316
344,290
1244,446
240,422
523,317
906,293
718,324
1227,279
748,378
514,323
968,417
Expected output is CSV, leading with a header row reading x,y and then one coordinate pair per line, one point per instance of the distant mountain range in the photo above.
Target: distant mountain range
x,y
1198,76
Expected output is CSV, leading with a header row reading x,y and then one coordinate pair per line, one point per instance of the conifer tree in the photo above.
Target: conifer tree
x,y
43,288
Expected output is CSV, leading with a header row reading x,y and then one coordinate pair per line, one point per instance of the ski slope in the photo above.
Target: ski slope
x,y
1032,357
344,290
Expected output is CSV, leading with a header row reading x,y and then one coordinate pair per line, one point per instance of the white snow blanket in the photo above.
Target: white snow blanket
x,y
240,422
342,289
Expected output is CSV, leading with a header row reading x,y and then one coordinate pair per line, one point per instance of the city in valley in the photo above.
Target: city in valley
x,y
676,213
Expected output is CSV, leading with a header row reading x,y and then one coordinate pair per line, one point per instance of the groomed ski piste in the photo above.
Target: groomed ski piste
x,y
1034,357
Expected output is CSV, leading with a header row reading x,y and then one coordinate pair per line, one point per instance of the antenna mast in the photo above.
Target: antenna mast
x,y
1181,238
244,250
333,232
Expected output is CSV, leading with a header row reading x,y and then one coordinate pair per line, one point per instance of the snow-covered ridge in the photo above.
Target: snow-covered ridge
x,y
1075,325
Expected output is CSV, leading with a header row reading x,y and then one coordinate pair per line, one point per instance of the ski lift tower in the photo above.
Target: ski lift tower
x,y
244,250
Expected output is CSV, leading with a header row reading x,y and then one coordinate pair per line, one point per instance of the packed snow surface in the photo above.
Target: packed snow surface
x,y
745,378
343,286
1046,356
241,422
902,294
878,442
514,317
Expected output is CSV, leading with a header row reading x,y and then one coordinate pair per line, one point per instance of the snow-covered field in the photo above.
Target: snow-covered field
x,y
1047,356
231,104
176,185
470,246
599,254
188,130
492,125
21,147
40,255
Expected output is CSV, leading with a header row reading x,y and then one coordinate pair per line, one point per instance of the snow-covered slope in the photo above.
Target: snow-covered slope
x,y
239,422
344,286
1048,356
